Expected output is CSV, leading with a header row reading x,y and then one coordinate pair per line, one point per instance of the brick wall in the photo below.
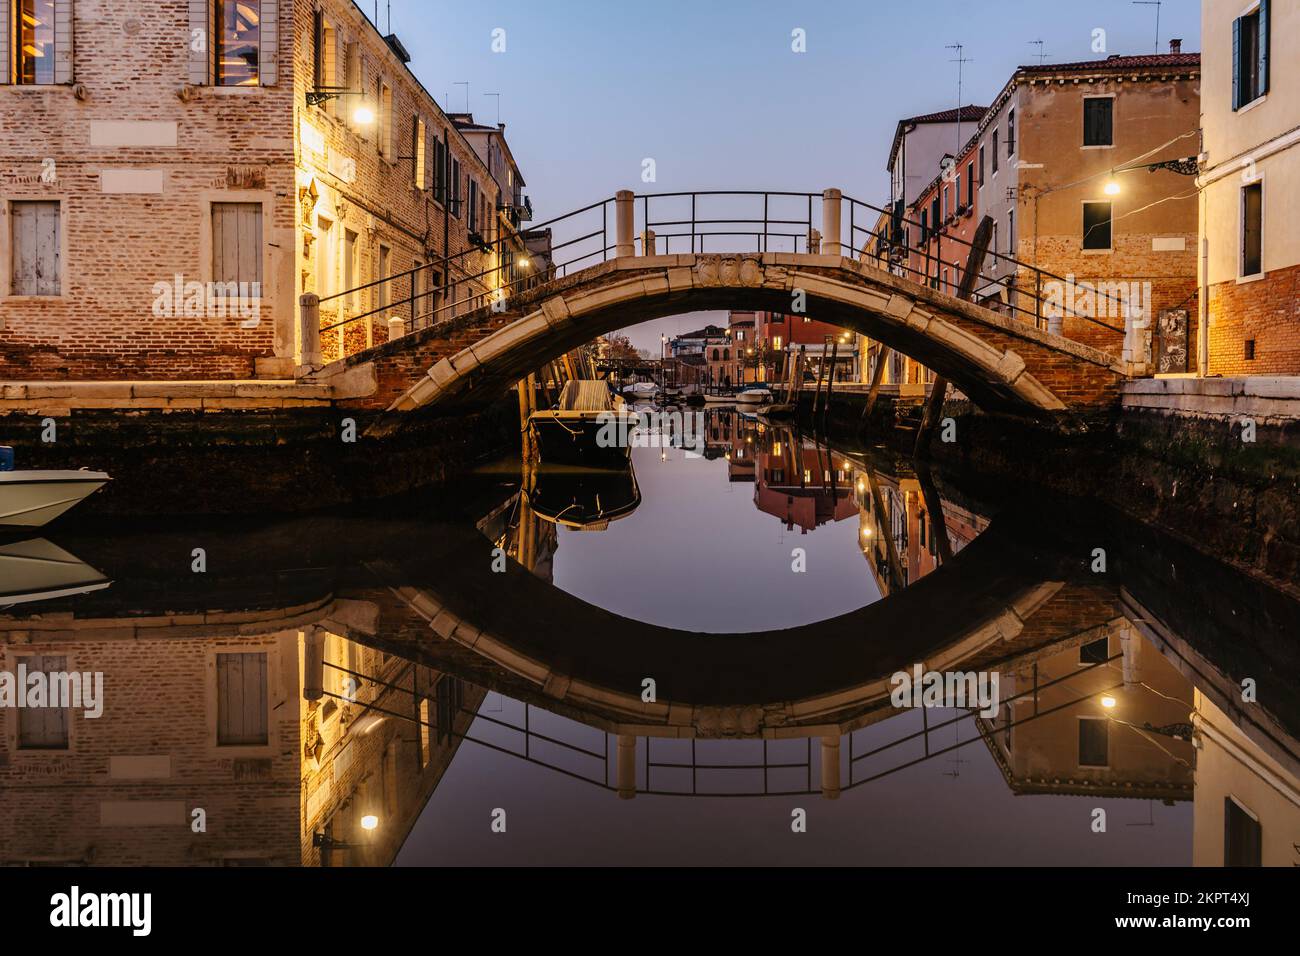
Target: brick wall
x,y
1267,311
232,144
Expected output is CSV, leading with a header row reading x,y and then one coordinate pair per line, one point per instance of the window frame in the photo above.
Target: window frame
x,y
1084,230
274,698
215,10
1105,723
1242,275
7,250
1095,98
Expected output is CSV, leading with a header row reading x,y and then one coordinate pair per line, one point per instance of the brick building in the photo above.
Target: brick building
x,y
201,165
1250,270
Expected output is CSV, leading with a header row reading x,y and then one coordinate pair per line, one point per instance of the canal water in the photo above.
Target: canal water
x,y
692,660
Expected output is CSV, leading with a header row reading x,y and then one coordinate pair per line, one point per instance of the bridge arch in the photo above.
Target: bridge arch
x,y
1000,362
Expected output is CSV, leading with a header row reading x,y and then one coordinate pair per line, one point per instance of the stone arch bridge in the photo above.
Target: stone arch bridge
x,y
1000,361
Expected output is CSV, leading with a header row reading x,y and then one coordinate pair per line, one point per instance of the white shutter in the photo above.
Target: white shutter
x,y
200,36
269,49
63,45
6,26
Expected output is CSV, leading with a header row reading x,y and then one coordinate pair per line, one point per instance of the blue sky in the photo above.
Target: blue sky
x,y
712,91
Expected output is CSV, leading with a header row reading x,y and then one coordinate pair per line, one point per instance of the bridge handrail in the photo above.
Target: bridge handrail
x,y
433,305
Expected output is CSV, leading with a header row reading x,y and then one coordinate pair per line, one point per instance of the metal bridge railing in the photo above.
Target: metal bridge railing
x,y
735,221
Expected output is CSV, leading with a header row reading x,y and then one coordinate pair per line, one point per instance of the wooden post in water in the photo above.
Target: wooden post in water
x,y
830,381
877,378
939,392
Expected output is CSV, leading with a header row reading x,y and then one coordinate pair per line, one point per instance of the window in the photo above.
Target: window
x,y
385,141
995,152
327,269
419,156
776,342
925,228
237,247
1249,350
981,164
43,728
449,694
424,732
238,37
35,44
970,185
1241,835
1098,121
384,288
1250,56
947,202
934,214
1094,652
1011,133
993,245
1011,233
439,171
1096,225
472,221
1252,229
1094,742
35,248
241,700
350,267
455,188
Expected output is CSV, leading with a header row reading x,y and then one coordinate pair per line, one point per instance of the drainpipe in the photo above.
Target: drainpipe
x,y
1203,306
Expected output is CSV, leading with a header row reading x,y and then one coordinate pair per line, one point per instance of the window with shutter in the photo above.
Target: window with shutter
x,y
1250,56
36,29
237,248
1098,121
241,700
43,728
35,248
417,153
1096,225
238,42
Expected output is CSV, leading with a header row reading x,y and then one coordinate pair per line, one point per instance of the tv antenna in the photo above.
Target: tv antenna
x,y
960,60
1040,54
1156,4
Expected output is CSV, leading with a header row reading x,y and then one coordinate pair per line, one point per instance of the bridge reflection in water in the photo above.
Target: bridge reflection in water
x,y
310,693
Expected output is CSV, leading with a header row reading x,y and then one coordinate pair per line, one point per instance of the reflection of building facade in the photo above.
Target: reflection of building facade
x,y
1117,729
802,483
1247,800
200,756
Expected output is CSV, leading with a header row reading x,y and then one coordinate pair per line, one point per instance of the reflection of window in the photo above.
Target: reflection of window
x,y
239,31
43,728
241,699
35,53
1094,652
1094,741
450,695
1241,835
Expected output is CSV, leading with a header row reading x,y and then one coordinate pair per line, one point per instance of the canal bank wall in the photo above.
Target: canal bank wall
x,y
253,458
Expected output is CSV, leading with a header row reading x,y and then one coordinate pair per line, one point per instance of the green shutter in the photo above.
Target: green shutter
x,y
1236,64
1263,47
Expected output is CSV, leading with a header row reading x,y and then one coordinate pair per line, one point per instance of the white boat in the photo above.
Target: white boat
x,y
754,396
719,399
36,570
641,390
32,499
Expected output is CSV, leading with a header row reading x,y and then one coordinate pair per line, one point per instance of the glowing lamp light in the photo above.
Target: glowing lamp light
x,y
524,263
364,115
1112,188
369,822
1108,701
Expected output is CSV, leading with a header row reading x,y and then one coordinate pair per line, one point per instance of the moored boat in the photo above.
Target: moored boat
x,y
36,570
588,426
754,396
32,499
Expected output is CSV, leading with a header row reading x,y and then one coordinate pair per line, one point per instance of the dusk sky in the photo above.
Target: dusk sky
x,y
714,94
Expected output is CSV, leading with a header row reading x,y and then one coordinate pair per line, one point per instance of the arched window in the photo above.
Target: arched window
x,y
715,355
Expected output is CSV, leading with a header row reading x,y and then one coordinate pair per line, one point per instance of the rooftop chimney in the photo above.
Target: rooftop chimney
x,y
1175,46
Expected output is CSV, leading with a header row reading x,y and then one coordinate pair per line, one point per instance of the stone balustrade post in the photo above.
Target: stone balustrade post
x,y
309,332
831,221
624,223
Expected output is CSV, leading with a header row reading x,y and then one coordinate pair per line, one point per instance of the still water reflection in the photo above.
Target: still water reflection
x,y
710,639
